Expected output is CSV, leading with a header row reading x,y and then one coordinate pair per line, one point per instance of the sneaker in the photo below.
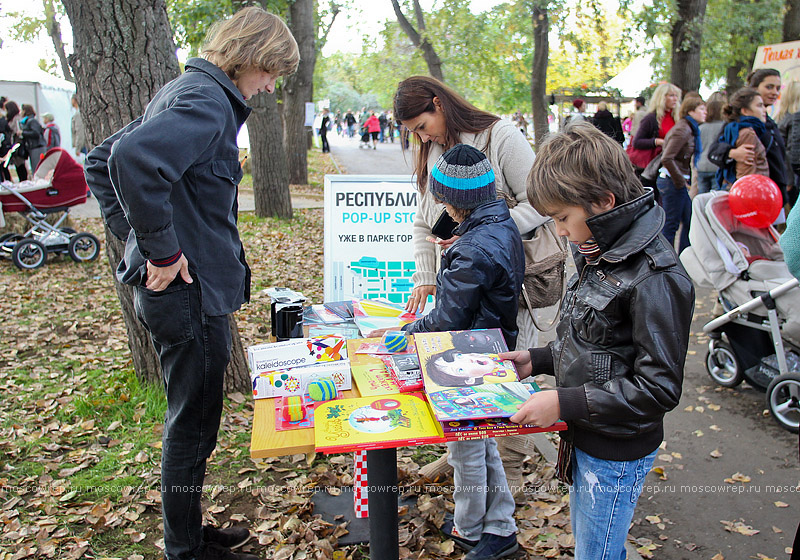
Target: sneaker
x,y
449,530
232,537
492,547
213,551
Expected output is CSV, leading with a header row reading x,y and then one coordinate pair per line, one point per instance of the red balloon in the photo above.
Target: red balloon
x,y
755,200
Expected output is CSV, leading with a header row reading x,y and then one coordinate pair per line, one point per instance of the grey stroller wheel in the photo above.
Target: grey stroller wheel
x,y
29,254
722,364
84,247
783,401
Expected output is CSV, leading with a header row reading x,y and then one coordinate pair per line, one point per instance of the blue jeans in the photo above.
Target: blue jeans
x,y
483,501
194,349
678,209
602,500
707,182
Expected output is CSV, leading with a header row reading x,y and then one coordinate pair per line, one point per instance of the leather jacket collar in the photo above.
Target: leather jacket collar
x,y
628,228
495,211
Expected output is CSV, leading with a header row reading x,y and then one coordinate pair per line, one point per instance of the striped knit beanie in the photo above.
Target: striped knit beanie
x,y
463,178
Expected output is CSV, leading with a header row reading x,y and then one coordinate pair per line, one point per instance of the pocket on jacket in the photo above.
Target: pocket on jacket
x,y
227,169
166,314
591,316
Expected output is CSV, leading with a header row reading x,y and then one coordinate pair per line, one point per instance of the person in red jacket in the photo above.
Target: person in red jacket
x,y
374,128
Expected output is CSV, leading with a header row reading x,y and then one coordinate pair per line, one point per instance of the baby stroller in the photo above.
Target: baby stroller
x,y
365,136
757,338
58,183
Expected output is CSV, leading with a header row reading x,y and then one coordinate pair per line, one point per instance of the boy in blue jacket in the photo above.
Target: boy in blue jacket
x,y
621,342
477,287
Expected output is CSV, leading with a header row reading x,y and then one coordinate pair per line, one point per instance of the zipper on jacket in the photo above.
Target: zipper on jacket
x,y
608,277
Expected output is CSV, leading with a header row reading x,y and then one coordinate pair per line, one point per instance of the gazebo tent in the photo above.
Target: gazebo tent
x,y
47,94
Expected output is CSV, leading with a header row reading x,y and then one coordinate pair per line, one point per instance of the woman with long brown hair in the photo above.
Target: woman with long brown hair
x,y
438,118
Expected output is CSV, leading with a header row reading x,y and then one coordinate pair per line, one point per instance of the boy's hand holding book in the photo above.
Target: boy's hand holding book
x,y
522,361
541,409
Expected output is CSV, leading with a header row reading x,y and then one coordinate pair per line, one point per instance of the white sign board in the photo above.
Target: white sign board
x,y
368,228
310,113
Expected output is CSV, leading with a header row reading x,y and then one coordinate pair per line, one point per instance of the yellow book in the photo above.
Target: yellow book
x,y
379,422
369,372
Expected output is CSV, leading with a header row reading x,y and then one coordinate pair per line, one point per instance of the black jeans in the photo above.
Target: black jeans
x,y
194,349
325,146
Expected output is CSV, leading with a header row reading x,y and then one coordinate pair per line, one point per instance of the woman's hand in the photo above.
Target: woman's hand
x,y
419,297
659,141
522,361
744,154
542,409
378,333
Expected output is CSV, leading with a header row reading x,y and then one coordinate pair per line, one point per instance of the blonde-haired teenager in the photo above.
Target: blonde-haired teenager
x,y
167,183
622,337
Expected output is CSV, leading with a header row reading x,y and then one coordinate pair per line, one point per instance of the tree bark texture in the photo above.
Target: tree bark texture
x,y
123,54
687,36
791,21
418,38
270,172
541,50
297,90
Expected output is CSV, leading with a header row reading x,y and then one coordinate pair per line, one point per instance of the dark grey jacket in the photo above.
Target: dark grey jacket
x,y
169,180
622,338
480,278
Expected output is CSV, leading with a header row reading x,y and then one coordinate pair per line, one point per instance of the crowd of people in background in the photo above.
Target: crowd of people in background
x,y
369,127
25,139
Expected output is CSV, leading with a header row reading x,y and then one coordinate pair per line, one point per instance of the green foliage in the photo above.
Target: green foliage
x,y
731,32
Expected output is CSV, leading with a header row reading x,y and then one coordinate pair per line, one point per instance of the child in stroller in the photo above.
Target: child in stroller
x,y
57,184
757,338
364,142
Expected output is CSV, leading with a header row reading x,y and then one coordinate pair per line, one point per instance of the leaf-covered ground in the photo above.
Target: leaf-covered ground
x,y
80,436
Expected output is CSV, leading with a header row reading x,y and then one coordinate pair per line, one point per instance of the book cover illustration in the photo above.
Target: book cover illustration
x,y
372,314
374,423
369,372
496,400
463,359
405,370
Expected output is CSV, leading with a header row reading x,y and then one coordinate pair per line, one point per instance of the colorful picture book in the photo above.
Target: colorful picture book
x,y
343,309
465,379
369,372
491,427
372,314
374,423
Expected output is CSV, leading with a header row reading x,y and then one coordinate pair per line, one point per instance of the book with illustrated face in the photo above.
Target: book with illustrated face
x,y
465,379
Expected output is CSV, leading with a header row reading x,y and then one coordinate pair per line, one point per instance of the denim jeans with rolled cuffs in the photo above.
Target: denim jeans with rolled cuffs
x,y
678,212
194,349
602,500
483,501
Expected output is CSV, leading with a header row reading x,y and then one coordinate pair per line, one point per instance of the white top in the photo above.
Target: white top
x,y
511,157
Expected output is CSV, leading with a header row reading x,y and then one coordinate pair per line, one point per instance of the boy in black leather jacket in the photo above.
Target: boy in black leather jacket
x,y
622,337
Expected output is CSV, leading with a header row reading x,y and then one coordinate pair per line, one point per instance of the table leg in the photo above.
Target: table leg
x,y
383,493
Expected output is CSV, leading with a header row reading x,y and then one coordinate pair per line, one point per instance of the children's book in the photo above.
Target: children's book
x,y
369,372
343,309
465,379
379,422
372,314
405,371
491,427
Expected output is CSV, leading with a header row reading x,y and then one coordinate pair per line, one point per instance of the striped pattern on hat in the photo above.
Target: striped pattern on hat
x,y
463,178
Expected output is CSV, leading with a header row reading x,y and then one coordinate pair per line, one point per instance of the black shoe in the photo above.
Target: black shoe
x,y
232,537
492,547
449,531
214,551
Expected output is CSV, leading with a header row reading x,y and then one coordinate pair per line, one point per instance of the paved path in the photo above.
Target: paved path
x,y
388,159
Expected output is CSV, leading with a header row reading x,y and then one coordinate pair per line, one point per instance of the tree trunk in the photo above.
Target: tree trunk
x,y
791,21
297,91
541,52
687,36
428,52
54,30
237,377
123,54
733,77
270,173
